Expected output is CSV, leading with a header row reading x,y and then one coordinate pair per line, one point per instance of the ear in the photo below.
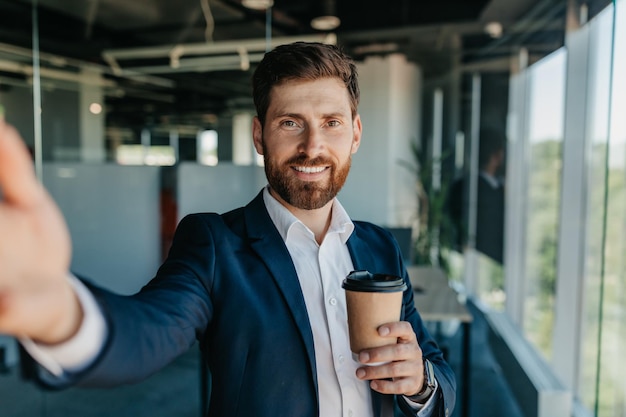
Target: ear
x,y
357,129
257,135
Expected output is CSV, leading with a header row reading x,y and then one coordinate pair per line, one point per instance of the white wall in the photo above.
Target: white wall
x,y
378,188
113,215
218,189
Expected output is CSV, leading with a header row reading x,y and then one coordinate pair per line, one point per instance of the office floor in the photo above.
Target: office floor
x,y
174,391
490,395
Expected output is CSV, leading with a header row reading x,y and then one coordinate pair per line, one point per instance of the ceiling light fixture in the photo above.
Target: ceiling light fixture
x,y
325,23
95,108
257,4
494,29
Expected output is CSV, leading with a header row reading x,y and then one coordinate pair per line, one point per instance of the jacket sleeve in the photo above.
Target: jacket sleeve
x,y
148,330
446,393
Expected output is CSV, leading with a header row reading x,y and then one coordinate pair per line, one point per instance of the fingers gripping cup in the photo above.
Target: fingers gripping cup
x,y
371,300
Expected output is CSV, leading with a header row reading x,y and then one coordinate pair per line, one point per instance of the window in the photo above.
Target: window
x,y
601,386
545,139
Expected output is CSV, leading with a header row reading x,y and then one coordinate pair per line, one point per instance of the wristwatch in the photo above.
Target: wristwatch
x,y
429,384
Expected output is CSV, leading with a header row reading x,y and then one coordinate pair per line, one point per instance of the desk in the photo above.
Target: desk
x,y
436,301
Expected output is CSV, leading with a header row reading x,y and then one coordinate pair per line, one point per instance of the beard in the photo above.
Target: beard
x,y
306,195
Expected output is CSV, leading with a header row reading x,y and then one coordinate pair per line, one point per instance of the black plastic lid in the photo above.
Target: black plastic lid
x,y
365,281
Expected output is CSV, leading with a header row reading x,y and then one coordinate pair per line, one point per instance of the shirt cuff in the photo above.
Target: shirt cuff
x,y
423,409
81,350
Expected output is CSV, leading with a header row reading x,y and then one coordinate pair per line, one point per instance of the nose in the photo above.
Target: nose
x,y
312,141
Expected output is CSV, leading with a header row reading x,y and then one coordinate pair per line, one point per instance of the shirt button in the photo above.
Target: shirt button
x,y
341,358
349,413
332,301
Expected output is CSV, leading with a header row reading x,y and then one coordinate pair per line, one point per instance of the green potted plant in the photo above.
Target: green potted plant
x,y
433,234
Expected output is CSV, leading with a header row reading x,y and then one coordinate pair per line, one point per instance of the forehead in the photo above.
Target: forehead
x,y
297,93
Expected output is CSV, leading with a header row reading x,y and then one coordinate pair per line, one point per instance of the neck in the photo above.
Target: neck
x,y
317,220
491,169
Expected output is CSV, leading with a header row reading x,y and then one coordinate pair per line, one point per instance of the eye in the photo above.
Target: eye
x,y
289,123
334,123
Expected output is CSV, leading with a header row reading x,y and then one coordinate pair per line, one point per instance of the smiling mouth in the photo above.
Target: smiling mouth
x,y
310,170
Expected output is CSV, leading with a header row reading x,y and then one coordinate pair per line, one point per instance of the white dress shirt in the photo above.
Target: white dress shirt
x,y
321,270
494,182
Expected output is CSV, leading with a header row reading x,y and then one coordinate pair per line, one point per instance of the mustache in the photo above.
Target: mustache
x,y
304,160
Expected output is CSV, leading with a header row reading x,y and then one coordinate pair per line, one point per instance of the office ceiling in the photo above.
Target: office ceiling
x,y
149,84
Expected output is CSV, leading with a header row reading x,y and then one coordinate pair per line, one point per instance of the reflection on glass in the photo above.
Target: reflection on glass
x,y
546,106
489,239
490,195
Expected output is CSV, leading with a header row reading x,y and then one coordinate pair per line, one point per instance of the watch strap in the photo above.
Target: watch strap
x,y
428,386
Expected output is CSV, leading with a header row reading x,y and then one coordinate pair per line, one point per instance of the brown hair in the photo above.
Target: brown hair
x,y
302,61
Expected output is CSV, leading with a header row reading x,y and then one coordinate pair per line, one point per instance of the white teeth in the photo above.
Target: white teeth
x,y
310,170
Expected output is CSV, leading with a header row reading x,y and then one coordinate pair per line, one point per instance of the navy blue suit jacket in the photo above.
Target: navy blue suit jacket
x,y
229,282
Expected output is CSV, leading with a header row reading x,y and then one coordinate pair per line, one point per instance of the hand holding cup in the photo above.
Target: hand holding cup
x,y
386,346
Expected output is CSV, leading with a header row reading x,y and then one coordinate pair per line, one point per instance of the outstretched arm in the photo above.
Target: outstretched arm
x,y
36,298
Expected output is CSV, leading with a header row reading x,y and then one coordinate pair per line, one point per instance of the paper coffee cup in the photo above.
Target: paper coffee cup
x,y
371,300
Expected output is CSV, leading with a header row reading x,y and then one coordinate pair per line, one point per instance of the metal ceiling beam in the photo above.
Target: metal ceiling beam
x,y
214,48
203,64
64,64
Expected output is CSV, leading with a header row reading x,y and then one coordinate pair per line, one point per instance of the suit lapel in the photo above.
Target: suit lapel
x,y
359,252
268,244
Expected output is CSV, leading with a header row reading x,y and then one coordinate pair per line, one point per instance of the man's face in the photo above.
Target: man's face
x,y
307,141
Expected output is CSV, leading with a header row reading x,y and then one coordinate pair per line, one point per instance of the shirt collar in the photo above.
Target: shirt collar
x,y
493,181
284,220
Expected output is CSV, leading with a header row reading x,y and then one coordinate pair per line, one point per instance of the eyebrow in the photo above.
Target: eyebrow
x,y
329,115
